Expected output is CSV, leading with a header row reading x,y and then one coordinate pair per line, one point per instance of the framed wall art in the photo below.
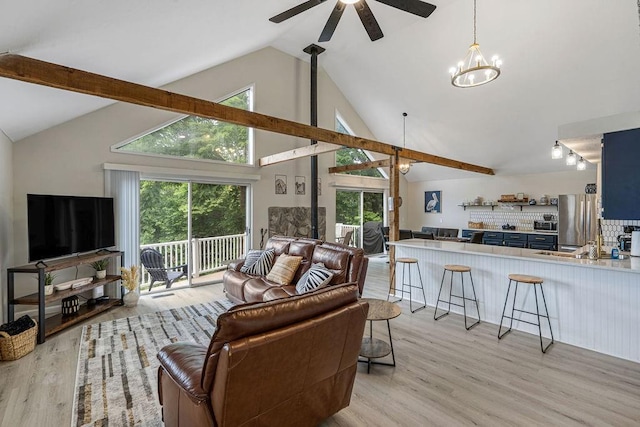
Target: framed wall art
x,y
300,186
433,201
281,184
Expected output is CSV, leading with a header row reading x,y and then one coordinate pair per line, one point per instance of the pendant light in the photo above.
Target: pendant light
x,y
582,164
404,165
572,159
556,151
474,70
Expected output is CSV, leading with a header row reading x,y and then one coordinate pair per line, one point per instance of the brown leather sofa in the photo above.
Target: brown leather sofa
x,y
285,362
348,264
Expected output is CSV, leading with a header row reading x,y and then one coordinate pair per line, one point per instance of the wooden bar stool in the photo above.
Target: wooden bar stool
x,y
531,280
457,269
406,264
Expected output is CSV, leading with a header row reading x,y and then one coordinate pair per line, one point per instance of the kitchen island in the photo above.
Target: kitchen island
x,y
592,304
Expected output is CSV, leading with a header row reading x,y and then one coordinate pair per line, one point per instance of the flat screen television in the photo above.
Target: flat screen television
x,y
65,225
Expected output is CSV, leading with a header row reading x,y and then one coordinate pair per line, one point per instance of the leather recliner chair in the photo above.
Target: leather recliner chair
x,y
285,362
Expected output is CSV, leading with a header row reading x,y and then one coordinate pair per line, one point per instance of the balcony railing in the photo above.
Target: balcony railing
x,y
341,230
209,254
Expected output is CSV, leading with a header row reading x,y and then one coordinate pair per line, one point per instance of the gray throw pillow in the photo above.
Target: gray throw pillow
x,y
316,276
262,265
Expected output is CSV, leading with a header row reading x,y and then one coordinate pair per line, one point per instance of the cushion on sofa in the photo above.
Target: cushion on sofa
x,y
252,257
303,248
262,265
284,269
335,260
318,275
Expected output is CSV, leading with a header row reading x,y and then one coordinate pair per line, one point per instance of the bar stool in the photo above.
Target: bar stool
x,y
457,269
531,280
406,264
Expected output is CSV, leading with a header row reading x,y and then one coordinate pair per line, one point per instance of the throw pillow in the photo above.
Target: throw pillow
x,y
316,276
284,269
263,265
252,257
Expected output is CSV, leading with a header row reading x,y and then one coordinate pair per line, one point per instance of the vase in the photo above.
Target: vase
x,y
48,290
101,274
130,299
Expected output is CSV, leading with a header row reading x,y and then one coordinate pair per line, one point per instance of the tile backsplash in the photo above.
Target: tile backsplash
x,y
523,220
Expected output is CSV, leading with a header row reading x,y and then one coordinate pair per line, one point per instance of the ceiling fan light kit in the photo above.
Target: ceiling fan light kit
x,y
474,70
415,7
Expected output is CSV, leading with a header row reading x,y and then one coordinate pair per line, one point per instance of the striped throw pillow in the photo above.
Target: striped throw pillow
x,y
252,257
284,269
316,276
262,265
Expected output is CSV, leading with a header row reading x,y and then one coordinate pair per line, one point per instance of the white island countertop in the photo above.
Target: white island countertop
x,y
628,264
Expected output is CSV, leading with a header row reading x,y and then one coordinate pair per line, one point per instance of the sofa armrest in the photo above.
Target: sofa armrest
x,y
236,264
183,362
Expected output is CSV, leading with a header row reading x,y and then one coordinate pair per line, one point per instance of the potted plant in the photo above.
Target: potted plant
x,y
130,281
100,267
48,283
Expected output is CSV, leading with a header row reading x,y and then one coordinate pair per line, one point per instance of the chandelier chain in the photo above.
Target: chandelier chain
x,y
475,41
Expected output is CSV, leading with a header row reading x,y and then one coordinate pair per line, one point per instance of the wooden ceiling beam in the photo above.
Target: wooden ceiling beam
x,y
360,166
34,71
296,153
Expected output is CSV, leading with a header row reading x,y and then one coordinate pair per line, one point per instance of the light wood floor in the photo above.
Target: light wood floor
x,y
444,376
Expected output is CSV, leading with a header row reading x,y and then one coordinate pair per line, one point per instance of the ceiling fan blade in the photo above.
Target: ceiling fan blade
x,y
332,22
369,21
295,11
416,7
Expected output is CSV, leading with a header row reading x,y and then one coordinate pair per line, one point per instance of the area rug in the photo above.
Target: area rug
x,y
116,379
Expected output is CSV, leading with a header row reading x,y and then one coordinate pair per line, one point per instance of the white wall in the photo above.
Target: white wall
x,y
456,191
6,217
68,159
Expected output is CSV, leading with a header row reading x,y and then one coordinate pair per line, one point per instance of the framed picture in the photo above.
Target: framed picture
x,y
281,184
300,186
433,201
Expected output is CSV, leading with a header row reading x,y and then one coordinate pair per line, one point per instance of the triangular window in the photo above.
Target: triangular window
x,y
349,156
199,138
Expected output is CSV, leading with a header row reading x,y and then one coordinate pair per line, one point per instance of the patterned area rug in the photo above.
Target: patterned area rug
x,y
116,380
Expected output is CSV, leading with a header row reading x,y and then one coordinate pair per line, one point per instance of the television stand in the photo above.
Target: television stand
x,y
51,325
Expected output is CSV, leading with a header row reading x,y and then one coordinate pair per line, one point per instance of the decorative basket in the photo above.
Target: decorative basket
x,y
472,224
13,347
70,305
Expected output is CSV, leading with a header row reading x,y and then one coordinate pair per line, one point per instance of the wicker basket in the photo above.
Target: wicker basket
x,y
13,347
472,224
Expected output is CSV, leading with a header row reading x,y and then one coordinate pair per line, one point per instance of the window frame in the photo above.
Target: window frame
x,y
115,148
340,119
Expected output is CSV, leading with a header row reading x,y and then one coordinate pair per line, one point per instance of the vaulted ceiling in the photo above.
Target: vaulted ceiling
x,y
564,62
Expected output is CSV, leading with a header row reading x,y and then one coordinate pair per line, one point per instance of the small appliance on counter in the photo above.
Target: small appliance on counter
x,y
545,225
624,242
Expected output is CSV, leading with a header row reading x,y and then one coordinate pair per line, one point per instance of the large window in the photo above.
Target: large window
x,y
200,138
350,156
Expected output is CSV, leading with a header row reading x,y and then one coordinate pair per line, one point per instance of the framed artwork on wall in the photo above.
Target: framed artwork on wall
x,y
433,201
281,184
300,185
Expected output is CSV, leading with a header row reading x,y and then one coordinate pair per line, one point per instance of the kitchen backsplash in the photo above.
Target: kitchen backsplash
x,y
523,220
494,220
612,228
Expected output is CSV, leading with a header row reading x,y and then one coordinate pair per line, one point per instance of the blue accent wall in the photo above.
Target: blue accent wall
x,y
621,175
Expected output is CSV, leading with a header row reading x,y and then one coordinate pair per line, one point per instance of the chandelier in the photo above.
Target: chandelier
x,y
474,70
404,165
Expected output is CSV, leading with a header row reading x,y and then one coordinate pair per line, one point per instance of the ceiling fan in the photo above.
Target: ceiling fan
x,y
415,7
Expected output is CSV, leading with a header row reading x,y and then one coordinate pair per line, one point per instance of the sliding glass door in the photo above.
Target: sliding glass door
x,y
361,212
201,225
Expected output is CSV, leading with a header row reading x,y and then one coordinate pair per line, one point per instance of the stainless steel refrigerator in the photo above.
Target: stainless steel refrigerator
x,y
577,220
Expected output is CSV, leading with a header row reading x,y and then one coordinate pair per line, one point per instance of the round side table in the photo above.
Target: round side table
x,y
374,348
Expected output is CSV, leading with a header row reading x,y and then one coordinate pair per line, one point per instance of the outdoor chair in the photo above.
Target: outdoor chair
x,y
346,239
153,261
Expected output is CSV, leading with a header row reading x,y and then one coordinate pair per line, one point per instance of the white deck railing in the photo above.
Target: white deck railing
x,y
209,254
341,230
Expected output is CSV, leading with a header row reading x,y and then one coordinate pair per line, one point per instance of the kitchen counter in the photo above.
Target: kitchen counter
x,y
593,304
628,264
